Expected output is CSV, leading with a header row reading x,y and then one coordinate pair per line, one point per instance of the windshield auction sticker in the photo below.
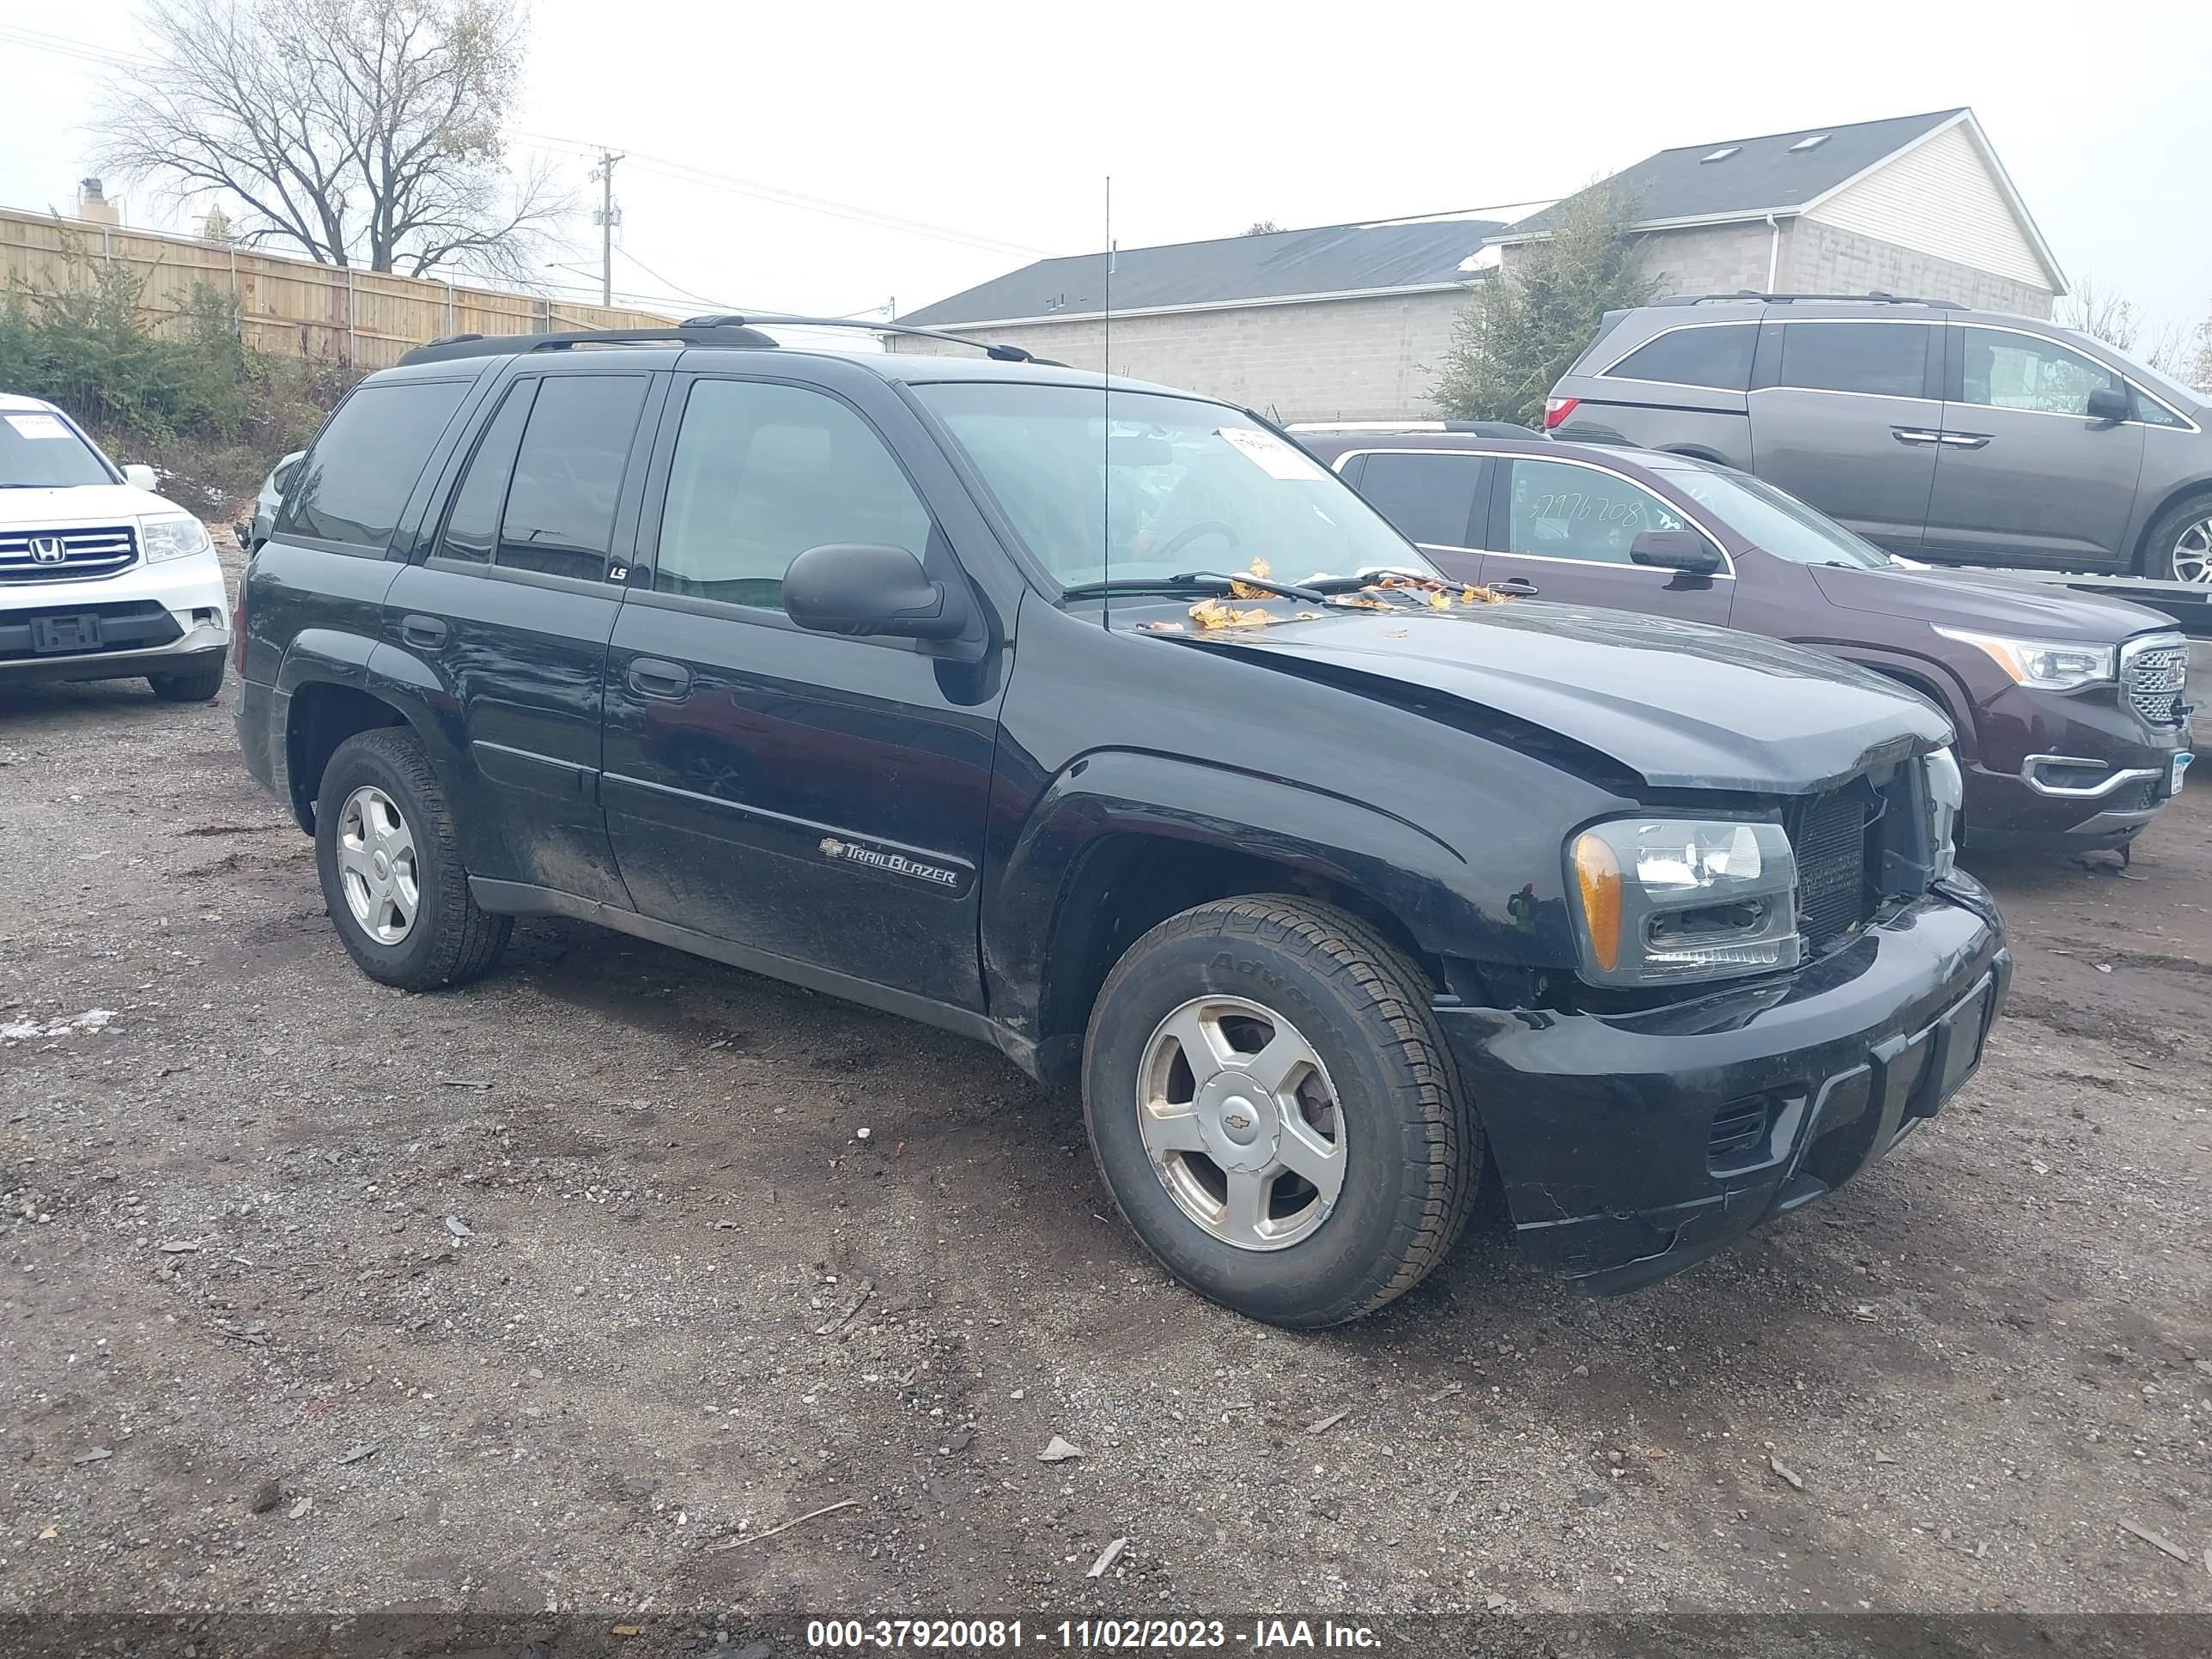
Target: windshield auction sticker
x,y
38,425
1268,453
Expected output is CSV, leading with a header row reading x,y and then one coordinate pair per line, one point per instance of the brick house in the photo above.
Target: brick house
x,y
1351,322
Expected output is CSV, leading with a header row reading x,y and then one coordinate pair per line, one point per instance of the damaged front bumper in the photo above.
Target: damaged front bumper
x,y
1632,1145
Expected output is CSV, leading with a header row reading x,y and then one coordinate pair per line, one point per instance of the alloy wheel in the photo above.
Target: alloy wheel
x,y
377,865
1240,1123
2192,551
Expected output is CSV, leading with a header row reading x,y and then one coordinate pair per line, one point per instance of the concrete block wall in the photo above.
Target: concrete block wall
x,y
1332,359
1703,259
1820,258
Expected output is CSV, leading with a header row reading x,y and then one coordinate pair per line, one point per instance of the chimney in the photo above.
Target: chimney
x,y
94,207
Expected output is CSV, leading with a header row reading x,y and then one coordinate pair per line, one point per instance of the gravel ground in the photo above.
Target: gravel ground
x,y
570,1288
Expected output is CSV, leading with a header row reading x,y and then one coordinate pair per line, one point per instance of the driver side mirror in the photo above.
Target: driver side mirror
x,y
2110,405
139,476
883,592
1685,550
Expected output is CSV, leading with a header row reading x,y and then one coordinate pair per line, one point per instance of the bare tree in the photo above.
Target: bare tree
x,y
361,132
1262,228
2104,313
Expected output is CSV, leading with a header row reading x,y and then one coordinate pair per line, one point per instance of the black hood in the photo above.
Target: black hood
x,y
1680,705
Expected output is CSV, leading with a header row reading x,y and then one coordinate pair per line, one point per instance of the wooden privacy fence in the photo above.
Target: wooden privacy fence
x,y
358,318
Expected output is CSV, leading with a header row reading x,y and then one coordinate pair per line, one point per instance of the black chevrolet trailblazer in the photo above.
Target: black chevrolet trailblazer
x,y
1098,722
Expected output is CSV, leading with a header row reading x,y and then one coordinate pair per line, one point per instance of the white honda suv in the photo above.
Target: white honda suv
x,y
100,577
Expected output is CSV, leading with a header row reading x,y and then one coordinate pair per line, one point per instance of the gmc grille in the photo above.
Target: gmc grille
x,y
1829,838
2152,679
55,556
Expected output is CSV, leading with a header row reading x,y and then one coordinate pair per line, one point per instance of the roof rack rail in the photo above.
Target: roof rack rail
x,y
715,329
1004,354
1872,296
702,332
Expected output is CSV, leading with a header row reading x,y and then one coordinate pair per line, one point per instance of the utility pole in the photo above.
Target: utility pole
x,y
608,217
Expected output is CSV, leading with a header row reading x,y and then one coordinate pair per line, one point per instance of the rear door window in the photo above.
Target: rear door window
x,y
1431,497
1716,354
472,525
1883,359
354,483
560,515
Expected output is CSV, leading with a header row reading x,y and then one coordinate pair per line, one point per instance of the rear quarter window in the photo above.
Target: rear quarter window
x,y
1716,354
354,484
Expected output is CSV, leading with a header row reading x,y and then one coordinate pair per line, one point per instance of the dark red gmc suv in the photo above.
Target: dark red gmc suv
x,y
2071,710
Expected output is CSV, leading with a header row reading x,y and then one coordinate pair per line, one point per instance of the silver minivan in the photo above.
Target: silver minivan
x,y
1943,433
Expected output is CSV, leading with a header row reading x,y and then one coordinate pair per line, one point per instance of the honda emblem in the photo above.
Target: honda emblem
x,y
48,549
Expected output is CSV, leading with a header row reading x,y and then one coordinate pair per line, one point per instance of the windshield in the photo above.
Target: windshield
x,y
1167,485
1773,521
38,451
2172,390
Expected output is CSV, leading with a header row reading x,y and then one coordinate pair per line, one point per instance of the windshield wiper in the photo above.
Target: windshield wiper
x,y
1192,581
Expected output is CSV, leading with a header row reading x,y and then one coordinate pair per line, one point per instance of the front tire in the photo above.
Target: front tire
x,y
390,868
198,684
2180,545
1274,1111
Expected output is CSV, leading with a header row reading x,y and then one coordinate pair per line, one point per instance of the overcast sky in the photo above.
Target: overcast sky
x,y
989,128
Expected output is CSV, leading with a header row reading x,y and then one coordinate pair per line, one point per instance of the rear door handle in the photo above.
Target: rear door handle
x,y
1966,439
1915,434
427,632
1519,587
649,677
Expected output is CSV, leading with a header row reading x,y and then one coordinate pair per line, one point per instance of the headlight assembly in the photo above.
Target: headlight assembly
x,y
2046,664
1667,900
173,538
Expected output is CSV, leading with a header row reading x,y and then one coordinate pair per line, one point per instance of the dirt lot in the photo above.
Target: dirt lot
x,y
315,1295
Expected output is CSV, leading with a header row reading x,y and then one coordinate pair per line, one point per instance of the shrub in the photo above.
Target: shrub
x,y
185,393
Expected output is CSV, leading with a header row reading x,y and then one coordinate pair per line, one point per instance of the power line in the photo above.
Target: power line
x,y
691,173
62,45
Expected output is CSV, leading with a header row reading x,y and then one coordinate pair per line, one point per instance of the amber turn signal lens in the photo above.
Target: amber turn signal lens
x,y
1597,872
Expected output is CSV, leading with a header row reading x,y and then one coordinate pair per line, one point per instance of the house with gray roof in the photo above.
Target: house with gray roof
x,y
1916,204
1351,322
1345,322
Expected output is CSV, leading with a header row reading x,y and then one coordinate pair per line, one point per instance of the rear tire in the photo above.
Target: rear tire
x,y
390,868
1368,1190
2178,548
198,684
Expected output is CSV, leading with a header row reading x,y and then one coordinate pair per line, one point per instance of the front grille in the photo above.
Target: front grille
x,y
2153,680
1829,841
56,556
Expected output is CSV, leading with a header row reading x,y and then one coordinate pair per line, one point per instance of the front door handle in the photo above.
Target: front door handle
x,y
1915,434
1519,587
649,677
1966,439
427,633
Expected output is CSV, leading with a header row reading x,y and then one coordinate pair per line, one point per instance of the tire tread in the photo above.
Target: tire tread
x,y
469,940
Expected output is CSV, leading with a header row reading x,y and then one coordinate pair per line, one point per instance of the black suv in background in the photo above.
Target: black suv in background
x,y
902,677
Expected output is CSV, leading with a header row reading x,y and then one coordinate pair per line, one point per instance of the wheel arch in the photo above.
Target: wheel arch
x,y
321,714
2196,489
1930,678
1113,848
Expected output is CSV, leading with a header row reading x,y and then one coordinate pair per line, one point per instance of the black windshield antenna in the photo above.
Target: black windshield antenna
x,y
1106,436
